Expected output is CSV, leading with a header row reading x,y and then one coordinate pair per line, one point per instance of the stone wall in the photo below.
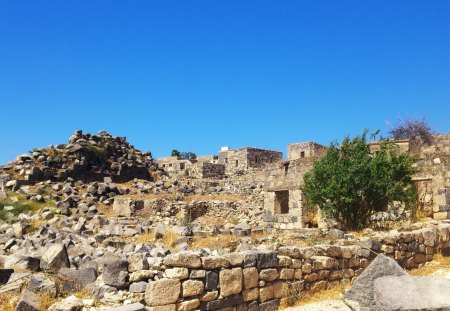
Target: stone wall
x,y
264,280
286,176
243,159
305,150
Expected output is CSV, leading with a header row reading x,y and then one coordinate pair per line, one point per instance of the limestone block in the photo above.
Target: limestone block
x,y
251,277
183,259
192,288
162,292
176,273
230,281
269,275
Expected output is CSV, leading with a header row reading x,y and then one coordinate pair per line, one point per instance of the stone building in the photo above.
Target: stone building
x,y
200,167
246,158
305,150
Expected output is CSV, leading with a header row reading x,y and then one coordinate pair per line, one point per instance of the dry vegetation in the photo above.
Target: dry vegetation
x,y
220,241
8,301
299,298
439,265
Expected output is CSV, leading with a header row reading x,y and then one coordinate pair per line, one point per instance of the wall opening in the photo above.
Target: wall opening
x,y
182,166
302,154
281,202
237,163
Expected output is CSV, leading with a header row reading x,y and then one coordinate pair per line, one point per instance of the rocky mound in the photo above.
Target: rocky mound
x,y
86,157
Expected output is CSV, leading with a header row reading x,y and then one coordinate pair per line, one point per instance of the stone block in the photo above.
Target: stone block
x,y
269,275
251,277
177,273
162,292
230,281
192,288
183,259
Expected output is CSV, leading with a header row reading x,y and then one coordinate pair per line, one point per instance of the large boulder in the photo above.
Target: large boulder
x,y
115,271
54,258
361,294
29,301
409,293
162,292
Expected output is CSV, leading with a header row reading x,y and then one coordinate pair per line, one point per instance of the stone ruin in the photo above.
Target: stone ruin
x,y
109,208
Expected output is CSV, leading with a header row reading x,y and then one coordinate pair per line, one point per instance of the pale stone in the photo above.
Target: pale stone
x,y
230,281
177,273
162,292
192,288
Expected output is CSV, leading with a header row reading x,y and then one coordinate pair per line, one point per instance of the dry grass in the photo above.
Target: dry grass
x,y
439,263
298,298
106,210
8,301
169,238
143,238
221,241
46,300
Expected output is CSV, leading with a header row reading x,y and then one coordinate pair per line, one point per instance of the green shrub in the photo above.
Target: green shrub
x,y
350,183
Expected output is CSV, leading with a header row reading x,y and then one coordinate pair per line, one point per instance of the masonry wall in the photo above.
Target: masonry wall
x,y
305,150
264,280
243,159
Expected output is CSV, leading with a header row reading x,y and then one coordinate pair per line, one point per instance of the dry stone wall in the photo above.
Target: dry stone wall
x,y
264,280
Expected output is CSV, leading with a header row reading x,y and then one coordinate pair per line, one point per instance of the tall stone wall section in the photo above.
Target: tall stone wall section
x,y
264,280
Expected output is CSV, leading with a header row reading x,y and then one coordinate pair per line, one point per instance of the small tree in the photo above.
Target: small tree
x,y
175,153
350,183
418,132
188,155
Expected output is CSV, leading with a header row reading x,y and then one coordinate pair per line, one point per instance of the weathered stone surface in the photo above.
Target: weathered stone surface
x,y
141,275
183,259
71,280
19,262
251,277
138,287
188,305
123,207
215,262
192,288
137,262
271,305
269,275
177,273
362,289
162,292
408,293
70,303
230,281
266,259
129,307
212,280
230,301
29,301
171,307
54,258
115,271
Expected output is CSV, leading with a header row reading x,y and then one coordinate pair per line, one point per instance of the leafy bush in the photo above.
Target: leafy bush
x,y
350,183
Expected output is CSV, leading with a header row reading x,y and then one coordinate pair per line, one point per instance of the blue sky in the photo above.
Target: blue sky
x,y
197,75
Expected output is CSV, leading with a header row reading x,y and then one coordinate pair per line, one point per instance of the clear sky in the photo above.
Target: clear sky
x,y
198,75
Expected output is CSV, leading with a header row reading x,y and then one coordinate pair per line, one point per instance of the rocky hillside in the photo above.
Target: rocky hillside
x,y
86,157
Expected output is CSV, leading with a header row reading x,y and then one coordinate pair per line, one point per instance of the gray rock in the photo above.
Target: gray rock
x,y
40,282
115,271
409,293
71,280
138,287
361,292
130,307
55,258
29,301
